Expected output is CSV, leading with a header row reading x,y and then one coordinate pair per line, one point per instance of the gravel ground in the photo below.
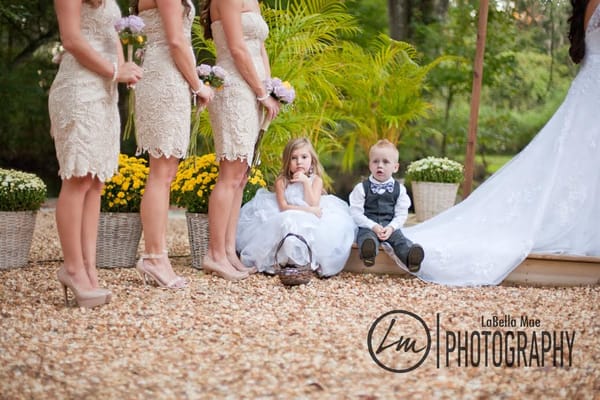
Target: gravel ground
x,y
258,339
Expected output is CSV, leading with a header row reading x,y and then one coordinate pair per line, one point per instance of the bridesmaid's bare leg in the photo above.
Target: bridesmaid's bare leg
x,y
224,203
89,229
155,214
69,217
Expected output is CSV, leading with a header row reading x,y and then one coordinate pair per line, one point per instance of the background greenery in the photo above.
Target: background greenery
x,y
354,83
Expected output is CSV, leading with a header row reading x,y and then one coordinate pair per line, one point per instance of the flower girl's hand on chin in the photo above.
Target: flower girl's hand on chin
x,y
299,176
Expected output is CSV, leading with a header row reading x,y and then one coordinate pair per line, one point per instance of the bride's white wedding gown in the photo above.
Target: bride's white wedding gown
x,y
545,200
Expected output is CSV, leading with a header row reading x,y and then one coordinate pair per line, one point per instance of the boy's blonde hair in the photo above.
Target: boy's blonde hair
x,y
385,144
315,168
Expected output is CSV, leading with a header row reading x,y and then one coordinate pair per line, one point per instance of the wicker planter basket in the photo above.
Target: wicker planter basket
x,y
431,198
118,239
16,234
197,224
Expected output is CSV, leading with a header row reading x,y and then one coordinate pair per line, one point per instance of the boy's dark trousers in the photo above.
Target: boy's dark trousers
x,y
400,243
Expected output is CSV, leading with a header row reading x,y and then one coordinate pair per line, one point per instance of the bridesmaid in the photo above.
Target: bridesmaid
x,y
162,120
239,32
85,127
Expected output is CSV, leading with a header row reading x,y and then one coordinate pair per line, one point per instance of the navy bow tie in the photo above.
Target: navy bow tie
x,y
381,188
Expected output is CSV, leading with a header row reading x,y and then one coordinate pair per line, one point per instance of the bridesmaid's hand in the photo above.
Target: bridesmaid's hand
x,y
129,73
272,106
205,95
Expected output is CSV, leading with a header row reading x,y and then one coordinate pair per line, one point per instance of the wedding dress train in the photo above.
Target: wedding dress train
x,y
545,200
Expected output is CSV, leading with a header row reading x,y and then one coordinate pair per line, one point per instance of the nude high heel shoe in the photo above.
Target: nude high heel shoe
x,y
88,299
144,272
210,266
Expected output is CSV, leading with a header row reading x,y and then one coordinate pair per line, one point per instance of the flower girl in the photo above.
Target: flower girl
x,y
298,206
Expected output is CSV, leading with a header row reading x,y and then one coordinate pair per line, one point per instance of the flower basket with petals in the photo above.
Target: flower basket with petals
x,y
434,182
120,226
21,196
196,178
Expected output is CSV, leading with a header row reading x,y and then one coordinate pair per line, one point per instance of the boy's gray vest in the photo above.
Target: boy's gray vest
x,y
380,207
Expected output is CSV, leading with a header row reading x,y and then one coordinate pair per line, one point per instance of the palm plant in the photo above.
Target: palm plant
x,y
347,96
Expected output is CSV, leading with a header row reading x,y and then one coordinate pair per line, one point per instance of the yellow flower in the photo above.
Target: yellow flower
x,y
124,191
196,178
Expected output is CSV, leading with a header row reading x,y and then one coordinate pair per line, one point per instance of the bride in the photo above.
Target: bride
x,y
545,200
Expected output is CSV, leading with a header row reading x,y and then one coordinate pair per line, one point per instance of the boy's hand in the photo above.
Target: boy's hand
x,y
385,233
377,229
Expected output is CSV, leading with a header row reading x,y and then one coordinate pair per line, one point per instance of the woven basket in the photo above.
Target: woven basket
x,y
431,198
291,274
16,234
197,224
118,239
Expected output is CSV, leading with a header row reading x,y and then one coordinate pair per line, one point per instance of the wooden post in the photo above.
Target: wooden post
x,y
475,96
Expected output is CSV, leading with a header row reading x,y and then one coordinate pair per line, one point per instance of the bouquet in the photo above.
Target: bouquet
x,y
196,178
21,191
283,92
213,76
280,90
131,34
123,192
133,39
434,169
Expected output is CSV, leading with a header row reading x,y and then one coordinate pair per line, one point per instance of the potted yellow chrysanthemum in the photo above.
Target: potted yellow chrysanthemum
x,y
196,178
21,196
120,227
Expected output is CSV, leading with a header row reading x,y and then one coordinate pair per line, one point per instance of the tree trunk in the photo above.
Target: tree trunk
x,y
403,13
399,19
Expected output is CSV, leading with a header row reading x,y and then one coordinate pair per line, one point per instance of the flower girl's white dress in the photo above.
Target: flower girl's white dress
x,y
545,200
262,226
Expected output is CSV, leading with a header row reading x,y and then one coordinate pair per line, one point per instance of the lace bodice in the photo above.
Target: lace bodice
x,y
155,31
97,27
255,31
162,106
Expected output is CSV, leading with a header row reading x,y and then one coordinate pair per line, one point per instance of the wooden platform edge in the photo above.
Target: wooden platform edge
x,y
535,270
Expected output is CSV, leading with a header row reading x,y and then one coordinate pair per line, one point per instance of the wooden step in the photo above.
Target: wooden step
x,y
535,270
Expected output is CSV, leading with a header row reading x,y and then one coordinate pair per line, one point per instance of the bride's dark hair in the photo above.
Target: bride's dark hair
x,y
205,20
577,31
134,4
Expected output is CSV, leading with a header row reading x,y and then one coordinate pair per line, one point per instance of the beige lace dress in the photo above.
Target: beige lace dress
x,y
163,96
234,111
84,115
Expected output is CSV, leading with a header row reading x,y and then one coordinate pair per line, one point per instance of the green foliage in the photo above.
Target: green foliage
x,y
347,96
21,191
